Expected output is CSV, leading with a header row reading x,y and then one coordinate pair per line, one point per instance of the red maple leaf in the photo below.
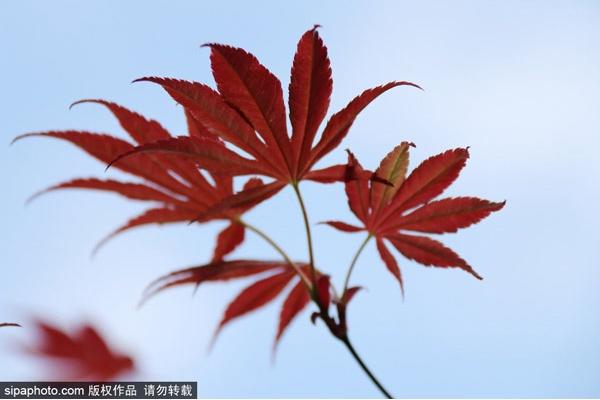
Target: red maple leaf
x,y
81,355
248,111
386,212
179,189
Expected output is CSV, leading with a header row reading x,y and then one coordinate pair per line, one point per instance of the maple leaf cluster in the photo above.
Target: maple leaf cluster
x,y
241,129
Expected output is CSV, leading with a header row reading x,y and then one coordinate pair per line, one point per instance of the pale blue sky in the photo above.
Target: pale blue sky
x,y
519,82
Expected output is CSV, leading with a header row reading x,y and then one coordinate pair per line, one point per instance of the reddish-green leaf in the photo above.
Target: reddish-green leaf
x,y
428,180
309,92
393,169
228,240
384,219
429,252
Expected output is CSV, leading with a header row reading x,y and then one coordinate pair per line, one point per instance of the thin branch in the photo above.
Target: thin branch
x,y
311,288
353,263
278,248
364,367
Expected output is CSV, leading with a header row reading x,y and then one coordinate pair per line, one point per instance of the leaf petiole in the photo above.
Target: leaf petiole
x,y
278,248
311,257
353,263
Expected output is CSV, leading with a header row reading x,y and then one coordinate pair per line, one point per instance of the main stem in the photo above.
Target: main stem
x,y
364,367
342,337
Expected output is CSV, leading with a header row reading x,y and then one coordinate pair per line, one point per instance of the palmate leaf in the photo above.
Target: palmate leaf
x,y
176,185
248,112
80,355
409,205
279,275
